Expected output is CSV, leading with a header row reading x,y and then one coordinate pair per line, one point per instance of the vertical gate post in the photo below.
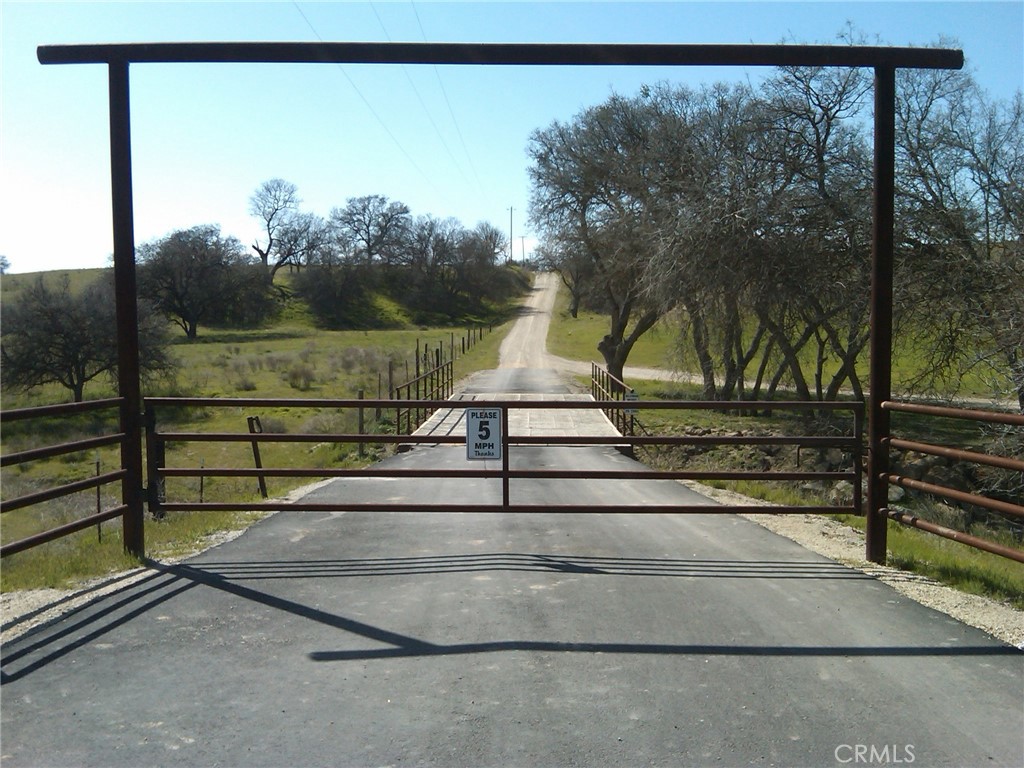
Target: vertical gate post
x,y
881,311
155,461
128,384
504,457
361,423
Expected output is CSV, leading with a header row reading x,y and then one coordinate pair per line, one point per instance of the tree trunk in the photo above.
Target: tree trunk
x,y
614,360
574,304
1017,372
701,346
791,359
615,347
755,393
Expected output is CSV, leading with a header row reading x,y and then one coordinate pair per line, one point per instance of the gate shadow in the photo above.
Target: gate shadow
x,y
243,570
85,624
406,646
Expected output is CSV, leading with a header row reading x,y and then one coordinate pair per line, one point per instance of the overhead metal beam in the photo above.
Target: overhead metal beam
x,y
578,54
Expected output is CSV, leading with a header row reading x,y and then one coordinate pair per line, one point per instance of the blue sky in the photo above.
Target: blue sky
x,y
449,141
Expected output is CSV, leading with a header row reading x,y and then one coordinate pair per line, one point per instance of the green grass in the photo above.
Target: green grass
x,y
970,570
577,339
78,279
289,360
98,552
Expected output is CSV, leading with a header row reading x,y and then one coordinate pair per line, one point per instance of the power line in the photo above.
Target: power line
x,y
419,96
369,106
451,112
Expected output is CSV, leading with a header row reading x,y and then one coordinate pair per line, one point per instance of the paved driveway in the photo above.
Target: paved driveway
x,y
359,639
492,640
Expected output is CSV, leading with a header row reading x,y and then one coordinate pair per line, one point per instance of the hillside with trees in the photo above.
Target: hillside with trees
x,y
740,216
370,265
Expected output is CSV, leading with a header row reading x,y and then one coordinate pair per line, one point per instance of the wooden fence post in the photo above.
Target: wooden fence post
x,y
256,428
362,426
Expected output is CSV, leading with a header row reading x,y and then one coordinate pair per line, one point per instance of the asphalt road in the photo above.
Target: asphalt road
x,y
358,639
488,640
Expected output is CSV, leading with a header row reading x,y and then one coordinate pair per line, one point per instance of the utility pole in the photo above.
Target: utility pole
x,y
510,234
522,243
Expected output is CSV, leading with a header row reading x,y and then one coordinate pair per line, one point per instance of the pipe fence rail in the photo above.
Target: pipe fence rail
x,y
21,458
436,384
159,441
434,377
605,386
1000,506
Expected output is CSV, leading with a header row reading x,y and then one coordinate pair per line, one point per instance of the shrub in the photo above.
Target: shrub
x,y
273,425
301,377
307,353
277,361
331,422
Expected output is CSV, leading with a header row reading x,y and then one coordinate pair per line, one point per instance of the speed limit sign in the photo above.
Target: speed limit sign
x,y
483,434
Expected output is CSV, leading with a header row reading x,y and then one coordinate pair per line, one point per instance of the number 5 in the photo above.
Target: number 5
x,y
485,429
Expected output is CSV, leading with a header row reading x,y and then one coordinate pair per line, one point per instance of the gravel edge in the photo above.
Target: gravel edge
x,y
845,545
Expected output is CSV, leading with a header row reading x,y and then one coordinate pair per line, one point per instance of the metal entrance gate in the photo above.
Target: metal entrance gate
x,y
883,60
161,501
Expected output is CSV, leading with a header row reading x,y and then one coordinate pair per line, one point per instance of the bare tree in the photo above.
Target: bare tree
x,y
276,204
303,239
428,261
54,335
961,158
718,193
570,262
591,188
818,298
476,263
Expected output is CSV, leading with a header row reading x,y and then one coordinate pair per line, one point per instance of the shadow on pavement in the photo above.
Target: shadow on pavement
x,y
87,623
528,562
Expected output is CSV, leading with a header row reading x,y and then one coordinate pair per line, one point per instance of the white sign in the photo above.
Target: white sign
x,y
483,434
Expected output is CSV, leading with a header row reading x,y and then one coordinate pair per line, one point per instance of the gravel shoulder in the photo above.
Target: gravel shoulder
x,y
846,545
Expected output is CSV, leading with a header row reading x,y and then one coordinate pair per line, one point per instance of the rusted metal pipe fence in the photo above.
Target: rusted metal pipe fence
x,y
436,384
885,61
604,386
96,481
1000,506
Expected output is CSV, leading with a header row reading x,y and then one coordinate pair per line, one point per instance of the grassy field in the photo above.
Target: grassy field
x,y
289,360
576,339
12,285
293,359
